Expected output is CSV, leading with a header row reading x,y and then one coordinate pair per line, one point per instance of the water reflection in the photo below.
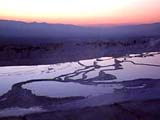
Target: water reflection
x,y
79,80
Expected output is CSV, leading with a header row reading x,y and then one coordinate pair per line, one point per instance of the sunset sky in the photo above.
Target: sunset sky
x,y
82,12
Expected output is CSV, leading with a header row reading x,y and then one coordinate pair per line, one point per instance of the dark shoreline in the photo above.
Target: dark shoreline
x,y
129,110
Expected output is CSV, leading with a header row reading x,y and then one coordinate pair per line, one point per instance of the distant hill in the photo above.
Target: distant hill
x,y
17,29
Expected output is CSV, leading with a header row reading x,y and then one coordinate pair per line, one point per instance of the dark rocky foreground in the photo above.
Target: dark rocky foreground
x,y
133,110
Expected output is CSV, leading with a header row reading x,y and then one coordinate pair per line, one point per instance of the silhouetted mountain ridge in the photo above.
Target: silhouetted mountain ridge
x,y
13,29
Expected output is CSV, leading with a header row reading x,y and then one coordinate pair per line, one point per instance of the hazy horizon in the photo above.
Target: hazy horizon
x,y
89,25
84,13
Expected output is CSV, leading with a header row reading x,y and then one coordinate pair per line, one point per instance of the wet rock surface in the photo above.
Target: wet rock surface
x,y
104,72
19,97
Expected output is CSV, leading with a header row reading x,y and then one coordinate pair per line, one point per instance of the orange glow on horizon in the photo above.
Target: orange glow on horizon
x,y
82,12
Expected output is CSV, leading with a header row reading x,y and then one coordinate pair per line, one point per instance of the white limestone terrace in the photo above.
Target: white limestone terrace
x,y
100,81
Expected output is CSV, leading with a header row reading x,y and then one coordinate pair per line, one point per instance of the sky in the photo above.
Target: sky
x,y
82,12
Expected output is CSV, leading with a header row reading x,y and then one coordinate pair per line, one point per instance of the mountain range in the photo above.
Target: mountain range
x,y
17,29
